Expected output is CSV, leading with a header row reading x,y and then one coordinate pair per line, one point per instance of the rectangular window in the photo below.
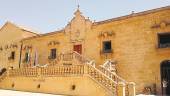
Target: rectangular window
x,y
107,46
26,59
53,54
164,40
12,56
78,48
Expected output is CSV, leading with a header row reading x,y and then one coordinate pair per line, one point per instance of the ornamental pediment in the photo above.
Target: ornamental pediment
x,y
78,26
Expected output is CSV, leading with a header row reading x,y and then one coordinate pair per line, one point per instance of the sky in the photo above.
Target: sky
x,y
50,15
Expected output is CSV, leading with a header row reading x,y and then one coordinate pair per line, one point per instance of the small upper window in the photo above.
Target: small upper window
x,y
27,58
12,56
107,47
164,40
53,54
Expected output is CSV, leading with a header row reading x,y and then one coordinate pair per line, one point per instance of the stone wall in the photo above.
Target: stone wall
x,y
77,86
134,44
10,37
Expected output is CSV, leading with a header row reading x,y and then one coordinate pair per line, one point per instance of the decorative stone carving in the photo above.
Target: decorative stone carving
x,y
11,46
52,43
78,26
162,24
27,47
106,34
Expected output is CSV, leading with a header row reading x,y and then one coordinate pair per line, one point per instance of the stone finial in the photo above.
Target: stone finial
x,y
78,6
77,11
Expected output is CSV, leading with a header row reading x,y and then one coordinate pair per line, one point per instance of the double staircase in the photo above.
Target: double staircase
x,y
76,65
105,74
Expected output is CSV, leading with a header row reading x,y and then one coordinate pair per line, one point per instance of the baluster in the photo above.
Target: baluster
x,y
57,71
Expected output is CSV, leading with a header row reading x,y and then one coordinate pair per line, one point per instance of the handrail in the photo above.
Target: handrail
x,y
64,70
48,71
102,75
73,55
112,75
61,70
78,56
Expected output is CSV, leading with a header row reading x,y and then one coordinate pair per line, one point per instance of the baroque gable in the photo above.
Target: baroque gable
x,y
78,26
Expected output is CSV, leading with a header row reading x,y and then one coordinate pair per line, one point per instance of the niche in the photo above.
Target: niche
x,y
73,87
38,86
13,85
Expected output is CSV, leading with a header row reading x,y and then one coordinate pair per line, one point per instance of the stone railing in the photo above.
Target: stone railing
x,y
58,70
70,56
108,81
106,78
102,79
128,87
61,70
64,70
112,75
32,72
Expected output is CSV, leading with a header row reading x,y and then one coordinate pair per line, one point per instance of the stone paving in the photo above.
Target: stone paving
x,y
19,93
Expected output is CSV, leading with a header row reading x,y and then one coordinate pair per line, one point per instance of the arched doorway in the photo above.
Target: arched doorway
x,y
165,77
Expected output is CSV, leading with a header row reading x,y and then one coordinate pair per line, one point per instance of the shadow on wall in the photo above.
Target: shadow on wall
x,y
2,71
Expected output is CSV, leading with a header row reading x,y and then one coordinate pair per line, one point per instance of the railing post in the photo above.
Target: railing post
x,y
85,69
121,89
39,72
131,89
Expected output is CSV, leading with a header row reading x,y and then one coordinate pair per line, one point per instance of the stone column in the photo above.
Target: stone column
x,y
131,89
121,89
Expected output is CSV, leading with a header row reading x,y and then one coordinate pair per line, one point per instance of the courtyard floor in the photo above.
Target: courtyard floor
x,y
19,93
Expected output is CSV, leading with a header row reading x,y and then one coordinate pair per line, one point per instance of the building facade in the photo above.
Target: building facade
x,y
137,43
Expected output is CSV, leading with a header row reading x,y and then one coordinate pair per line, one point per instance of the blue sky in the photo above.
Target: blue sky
x,y
50,15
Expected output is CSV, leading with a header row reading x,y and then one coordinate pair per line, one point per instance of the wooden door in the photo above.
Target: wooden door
x,y
78,48
165,76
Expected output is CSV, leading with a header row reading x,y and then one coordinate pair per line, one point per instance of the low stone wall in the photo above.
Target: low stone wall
x,y
79,80
76,86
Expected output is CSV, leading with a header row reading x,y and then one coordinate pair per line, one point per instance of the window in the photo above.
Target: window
x,y
26,57
164,40
107,47
12,56
78,48
53,54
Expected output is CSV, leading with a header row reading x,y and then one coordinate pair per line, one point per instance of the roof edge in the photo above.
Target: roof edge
x,y
132,15
25,30
42,35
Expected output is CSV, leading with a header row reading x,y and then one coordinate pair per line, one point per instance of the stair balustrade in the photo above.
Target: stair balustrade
x,y
106,78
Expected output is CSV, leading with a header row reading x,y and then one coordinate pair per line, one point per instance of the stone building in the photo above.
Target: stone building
x,y
137,44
